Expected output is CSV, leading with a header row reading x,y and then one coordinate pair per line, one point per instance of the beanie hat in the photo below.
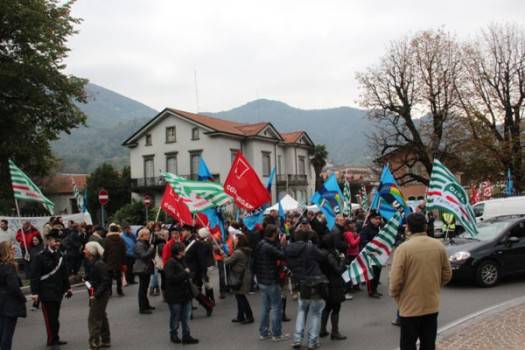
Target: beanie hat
x,y
94,248
203,233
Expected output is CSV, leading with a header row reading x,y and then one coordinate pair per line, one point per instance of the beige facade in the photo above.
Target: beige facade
x,y
174,140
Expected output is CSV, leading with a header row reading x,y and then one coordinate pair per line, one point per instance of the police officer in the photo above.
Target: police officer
x,y
49,283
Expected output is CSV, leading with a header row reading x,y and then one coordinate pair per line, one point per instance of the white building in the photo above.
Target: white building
x,y
59,189
174,140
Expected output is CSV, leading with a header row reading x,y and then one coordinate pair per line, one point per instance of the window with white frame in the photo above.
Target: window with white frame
x,y
171,134
195,134
171,163
266,163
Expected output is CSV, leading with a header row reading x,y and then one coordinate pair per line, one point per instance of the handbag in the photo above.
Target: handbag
x,y
193,288
235,279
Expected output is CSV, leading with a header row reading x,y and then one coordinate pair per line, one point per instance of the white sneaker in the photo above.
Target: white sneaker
x,y
264,337
348,296
282,337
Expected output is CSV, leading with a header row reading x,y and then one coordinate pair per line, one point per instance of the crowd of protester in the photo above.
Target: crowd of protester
x,y
299,259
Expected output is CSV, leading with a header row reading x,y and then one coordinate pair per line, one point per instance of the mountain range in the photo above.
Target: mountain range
x,y
112,117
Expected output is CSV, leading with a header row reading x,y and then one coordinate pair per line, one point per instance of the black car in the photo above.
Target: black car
x,y
498,250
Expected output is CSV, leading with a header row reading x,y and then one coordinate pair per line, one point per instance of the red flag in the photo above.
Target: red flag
x,y
244,185
173,204
474,195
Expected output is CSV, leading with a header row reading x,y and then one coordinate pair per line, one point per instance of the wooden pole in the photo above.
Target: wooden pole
x,y
26,255
158,214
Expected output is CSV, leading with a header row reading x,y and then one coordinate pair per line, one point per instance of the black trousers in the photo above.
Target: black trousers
x,y
375,281
244,311
332,311
51,311
117,276
130,276
7,330
423,328
144,279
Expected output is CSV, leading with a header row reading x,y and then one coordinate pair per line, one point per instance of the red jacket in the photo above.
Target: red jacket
x,y
353,240
166,251
28,237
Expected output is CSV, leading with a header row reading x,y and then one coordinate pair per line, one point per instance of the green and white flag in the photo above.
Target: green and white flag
x,y
347,194
446,194
25,189
78,196
198,195
376,252
364,199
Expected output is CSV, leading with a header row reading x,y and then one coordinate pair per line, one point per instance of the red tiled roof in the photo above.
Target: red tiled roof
x,y
222,125
62,183
252,129
292,137
212,123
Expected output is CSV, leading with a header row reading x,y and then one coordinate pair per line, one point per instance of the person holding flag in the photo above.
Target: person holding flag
x,y
218,232
369,232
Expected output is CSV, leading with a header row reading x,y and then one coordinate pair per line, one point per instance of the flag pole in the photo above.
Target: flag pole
x,y
158,214
26,255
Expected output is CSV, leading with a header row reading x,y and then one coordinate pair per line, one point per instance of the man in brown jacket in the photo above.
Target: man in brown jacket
x,y
419,269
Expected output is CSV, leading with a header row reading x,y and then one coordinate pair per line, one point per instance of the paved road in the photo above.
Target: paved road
x,y
365,321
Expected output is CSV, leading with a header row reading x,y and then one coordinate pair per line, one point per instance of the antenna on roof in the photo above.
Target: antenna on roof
x,y
196,90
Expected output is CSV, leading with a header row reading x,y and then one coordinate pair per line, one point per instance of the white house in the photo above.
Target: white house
x,y
59,189
174,140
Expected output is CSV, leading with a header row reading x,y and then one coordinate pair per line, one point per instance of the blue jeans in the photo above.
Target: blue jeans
x,y
180,313
271,300
7,330
155,279
314,309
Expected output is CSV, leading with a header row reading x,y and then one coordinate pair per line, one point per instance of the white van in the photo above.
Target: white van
x,y
498,207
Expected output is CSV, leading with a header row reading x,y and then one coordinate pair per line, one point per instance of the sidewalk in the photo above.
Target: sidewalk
x,y
502,328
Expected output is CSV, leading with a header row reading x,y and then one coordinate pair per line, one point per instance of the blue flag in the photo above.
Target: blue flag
x,y
270,181
509,188
282,216
253,218
204,173
214,216
329,199
388,198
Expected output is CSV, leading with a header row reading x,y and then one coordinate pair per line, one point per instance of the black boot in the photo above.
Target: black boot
x,y
284,317
175,339
335,327
324,321
209,293
189,340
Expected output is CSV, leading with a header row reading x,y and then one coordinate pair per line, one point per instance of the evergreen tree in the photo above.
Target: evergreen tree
x,y
37,99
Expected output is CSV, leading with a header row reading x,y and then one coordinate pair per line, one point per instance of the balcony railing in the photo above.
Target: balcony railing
x,y
158,182
292,180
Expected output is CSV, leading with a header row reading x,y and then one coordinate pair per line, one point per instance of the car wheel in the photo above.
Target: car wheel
x,y
487,274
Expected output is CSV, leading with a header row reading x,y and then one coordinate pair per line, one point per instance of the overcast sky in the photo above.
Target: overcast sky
x,y
301,52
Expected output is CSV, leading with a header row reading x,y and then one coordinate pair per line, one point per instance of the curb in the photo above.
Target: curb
x,y
484,312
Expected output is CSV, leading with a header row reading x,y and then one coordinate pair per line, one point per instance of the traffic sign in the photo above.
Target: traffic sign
x,y
103,197
147,200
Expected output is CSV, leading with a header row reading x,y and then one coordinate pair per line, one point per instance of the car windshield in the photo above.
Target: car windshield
x,y
488,230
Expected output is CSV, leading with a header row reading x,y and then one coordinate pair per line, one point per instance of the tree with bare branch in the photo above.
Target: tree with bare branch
x,y
412,95
492,94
